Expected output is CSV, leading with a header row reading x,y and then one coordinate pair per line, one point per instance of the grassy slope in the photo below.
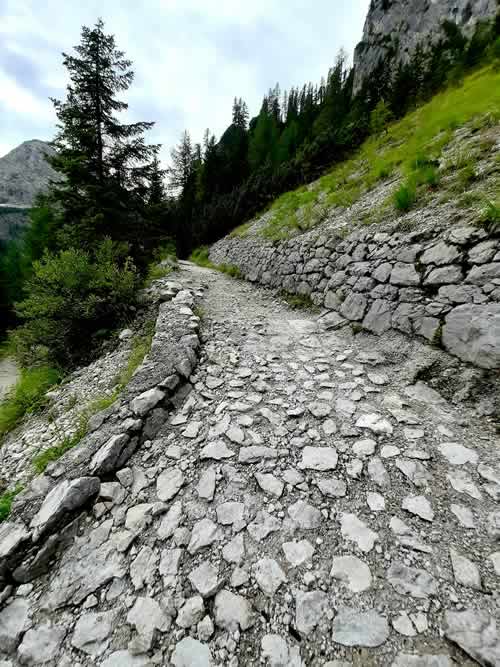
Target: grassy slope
x,y
422,134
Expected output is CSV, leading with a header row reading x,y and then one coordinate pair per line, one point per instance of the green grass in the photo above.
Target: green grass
x,y
241,231
490,216
155,272
42,460
102,402
200,257
6,500
27,396
424,132
299,301
140,347
405,197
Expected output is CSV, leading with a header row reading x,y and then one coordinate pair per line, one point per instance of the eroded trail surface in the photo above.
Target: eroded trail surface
x,y
305,505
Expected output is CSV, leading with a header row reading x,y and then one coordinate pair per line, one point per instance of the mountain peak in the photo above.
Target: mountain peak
x,y
24,172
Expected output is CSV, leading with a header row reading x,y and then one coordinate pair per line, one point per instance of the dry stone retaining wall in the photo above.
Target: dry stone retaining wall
x,y
441,284
42,520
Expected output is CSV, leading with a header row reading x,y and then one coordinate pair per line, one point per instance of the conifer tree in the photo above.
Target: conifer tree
x,y
104,162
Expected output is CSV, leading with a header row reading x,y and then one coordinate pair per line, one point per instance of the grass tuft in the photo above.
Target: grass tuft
x,y
200,257
490,216
6,500
299,301
27,396
405,197
42,460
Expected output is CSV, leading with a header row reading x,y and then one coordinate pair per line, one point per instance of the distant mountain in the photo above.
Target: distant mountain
x,y
24,172
397,26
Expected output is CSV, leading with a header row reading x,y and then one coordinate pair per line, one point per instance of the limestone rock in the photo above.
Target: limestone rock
x,y
353,572
232,612
359,628
190,652
472,333
475,631
41,645
64,499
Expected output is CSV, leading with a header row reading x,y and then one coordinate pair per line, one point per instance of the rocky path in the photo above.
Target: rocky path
x,y
304,505
9,375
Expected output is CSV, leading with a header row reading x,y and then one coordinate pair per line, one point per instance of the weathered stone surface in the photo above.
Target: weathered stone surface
x,y
205,579
352,572
355,530
405,275
11,536
204,534
190,652
64,499
270,484
411,660
146,401
310,610
268,575
359,628
169,484
92,631
472,333
232,612
411,581
319,458
40,645
476,633
304,515
354,307
14,621
113,455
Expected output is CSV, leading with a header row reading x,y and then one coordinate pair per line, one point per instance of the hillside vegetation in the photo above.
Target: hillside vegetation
x,y
411,147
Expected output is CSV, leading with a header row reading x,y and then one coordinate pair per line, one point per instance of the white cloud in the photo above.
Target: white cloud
x,y
191,57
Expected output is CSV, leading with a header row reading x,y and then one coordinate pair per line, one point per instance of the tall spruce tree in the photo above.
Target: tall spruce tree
x,y
104,162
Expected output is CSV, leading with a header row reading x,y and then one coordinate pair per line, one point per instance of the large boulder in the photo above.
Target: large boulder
x,y
472,333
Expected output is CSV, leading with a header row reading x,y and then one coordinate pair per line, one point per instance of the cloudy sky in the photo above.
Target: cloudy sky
x,y
191,57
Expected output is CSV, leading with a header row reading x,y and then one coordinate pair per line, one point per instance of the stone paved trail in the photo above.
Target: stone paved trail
x,y
303,506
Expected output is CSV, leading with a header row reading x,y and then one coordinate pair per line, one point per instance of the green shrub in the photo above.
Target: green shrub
x,y
229,269
299,301
27,396
405,197
200,257
70,297
6,500
42,460
490,216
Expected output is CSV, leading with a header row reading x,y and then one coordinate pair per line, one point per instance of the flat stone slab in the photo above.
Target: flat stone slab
x,y
319,458
359,628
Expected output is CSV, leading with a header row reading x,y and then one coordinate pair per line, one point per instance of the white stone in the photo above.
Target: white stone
x,y
352,627
270,484
420,506
363,448
465,571
169,483
355,530
352,572
204,579
375,502
298,553
204,534
375,422
191,653
268,575
319,458
304,515
232,612
457,454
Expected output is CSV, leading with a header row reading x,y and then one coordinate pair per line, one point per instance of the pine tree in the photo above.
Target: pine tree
x,y
104,162
181,170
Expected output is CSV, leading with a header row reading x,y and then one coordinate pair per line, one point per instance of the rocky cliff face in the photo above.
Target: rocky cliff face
x,y
402,24
24,172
